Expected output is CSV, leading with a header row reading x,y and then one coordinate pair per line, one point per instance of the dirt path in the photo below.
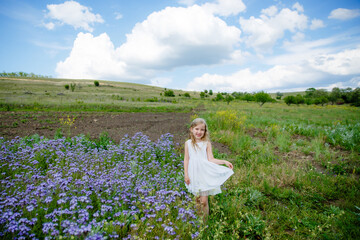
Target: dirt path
x,y
115,124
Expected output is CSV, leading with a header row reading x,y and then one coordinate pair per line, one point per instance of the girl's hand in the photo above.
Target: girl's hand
x,y
187,180
229,164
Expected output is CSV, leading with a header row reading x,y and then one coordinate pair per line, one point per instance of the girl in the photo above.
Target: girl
x,y
203,174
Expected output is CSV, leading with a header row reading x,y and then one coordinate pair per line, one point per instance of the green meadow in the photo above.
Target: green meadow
x,y
296,168
51,94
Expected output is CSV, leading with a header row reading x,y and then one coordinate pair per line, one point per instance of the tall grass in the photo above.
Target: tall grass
x,y
288,184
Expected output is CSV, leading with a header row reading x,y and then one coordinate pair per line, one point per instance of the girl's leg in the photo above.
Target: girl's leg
x,y
204,206
198,204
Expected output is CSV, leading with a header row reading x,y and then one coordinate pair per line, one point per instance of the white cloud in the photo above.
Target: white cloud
x,y
49,26
187,2
179,36
92,58
262,33
74,14
316,23
297,37
299,51
160,81
270,11
297,6
118,16
352,83
310,64
346,62
280,76
225,7
355,82
51,45
344,14
167,39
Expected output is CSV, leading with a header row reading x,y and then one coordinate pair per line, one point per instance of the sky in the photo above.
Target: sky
x,y
222,45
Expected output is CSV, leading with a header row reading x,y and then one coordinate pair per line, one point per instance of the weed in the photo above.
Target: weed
x,y
254,198
72,86
67,123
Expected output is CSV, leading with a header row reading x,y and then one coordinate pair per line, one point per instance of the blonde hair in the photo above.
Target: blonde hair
x,y
193,124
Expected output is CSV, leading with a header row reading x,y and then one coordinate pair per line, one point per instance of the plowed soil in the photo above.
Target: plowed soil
x,y
117,125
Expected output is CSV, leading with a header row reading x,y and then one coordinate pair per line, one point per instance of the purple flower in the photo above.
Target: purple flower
x,y
30,208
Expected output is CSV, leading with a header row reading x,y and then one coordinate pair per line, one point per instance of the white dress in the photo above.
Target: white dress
x,y
205,177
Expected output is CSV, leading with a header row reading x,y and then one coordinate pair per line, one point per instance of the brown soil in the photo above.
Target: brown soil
x,y
117,125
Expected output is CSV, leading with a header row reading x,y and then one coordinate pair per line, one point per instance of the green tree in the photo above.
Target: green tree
x,y
262,98
321,93
229,98
249,97
202,94
334,95
299,99
219,97
290,100
309,93
186,95
346,94
96,83
279,95
169,93
210,92
237,95
355,97
321,100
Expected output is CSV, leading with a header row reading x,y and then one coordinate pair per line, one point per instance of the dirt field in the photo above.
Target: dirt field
x,y
93,124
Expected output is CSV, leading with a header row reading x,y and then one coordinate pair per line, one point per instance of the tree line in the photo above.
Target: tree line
x,y
22,74
311,96
321,96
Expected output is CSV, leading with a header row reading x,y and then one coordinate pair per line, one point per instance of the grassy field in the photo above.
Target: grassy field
x,y
50,94
296,167
297,171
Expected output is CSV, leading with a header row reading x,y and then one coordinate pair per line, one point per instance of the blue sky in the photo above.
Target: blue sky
x,y
223,45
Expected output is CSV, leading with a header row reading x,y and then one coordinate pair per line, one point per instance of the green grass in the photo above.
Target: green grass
x,y
50,94
288,184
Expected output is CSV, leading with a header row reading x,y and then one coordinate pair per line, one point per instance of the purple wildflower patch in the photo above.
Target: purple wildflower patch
x,y
65,188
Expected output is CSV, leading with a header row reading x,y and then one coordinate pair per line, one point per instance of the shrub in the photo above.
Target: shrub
x,y
169,93
289,100
154,99
72,86
202,94
300,99
219,97
67,86
248,97
262,98
186,95
229,98
279,95
96,83
254,197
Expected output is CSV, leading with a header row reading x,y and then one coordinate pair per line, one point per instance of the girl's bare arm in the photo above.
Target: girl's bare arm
x,y
214,160
186,165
